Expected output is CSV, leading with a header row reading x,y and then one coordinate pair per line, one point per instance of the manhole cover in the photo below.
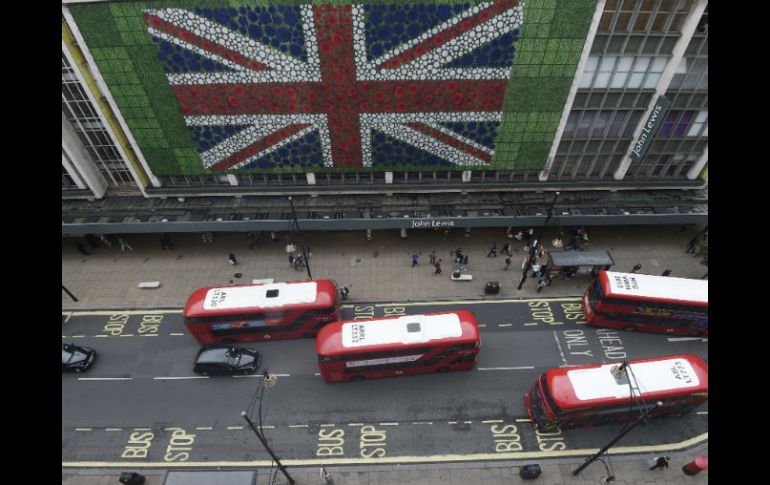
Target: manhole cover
x,y
238,275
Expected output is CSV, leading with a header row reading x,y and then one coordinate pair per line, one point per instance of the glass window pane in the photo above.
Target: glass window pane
x,y
618,80
608,63
591,63
624,63
602,79
651,81
587,79
641,64
658,64
636,80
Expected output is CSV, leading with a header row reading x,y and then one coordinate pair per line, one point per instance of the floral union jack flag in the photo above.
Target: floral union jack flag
x,y
379,85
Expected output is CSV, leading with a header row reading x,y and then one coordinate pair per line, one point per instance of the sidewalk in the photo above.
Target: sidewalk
x,y
379,269
633,472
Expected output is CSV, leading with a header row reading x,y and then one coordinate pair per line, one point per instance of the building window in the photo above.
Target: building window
x,y
700,123
624,72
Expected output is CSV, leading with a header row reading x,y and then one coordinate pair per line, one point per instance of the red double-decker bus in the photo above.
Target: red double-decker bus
x,y
413,344
590,395
660,304
275,311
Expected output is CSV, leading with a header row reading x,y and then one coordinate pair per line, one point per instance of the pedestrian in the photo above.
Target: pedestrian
x,y
124,245
291,260
507,262
519,236
82,248
344,292
666,273
636,268
92,241
506,249
524,262
437,265
299,261
541,284
493,250
465,261
415,258
105,240
509,233
433,256
530,233
693,244
459,253
536,270
165,242
326,476
231,259
661,462
458,262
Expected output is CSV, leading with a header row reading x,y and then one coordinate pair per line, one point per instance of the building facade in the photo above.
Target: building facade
x,y
426,107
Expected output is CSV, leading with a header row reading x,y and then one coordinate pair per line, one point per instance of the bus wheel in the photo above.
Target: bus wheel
x,y
308,335
630,329
357,378
444,369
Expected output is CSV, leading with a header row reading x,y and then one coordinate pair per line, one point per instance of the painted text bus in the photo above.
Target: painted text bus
x,y
661,304
274,311
589,395
413,344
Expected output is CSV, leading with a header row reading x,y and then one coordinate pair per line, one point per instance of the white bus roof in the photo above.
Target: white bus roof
x,y
409,329
666,287
232,297
656,376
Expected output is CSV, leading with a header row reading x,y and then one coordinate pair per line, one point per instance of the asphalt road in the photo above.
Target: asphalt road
x,y
141,402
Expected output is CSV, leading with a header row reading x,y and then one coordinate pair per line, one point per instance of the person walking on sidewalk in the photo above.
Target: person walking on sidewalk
x,y
327,477
636,268
541,284
82,248
506,249
106,240
666,273
493,250
344,292
124,245
437,265
433,256
507,262
415,258
465,262
231,259
661,462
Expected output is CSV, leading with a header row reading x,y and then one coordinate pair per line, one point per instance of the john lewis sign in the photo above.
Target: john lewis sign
x,y
650,128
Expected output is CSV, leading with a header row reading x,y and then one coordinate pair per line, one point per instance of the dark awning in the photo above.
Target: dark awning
x,y
581,258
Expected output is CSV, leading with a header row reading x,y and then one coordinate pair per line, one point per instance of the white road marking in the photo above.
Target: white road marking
x,y
104,378
702,412
113,429
504,324
234,427
177,334
388,424
297,426
204,428
482,325
149,335
178,378
422,422
82,429
685,339
492,421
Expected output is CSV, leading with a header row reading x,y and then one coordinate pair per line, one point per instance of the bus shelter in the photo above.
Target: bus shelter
x,y
574,260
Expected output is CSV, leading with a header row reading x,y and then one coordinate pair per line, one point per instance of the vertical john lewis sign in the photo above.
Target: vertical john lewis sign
x,y
650,128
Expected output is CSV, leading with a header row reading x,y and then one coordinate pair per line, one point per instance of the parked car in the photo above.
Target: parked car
x,y
74,357
226,359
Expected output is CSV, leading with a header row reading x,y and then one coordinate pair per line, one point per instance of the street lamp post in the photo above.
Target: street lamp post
x,y
616,439
299,235
267,447
535,243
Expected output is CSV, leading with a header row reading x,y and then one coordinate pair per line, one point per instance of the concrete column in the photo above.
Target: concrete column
x,y
543,176
688,29
77,158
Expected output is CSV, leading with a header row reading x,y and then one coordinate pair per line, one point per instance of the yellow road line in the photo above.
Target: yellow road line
x,y
520,455
67,316
127,312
